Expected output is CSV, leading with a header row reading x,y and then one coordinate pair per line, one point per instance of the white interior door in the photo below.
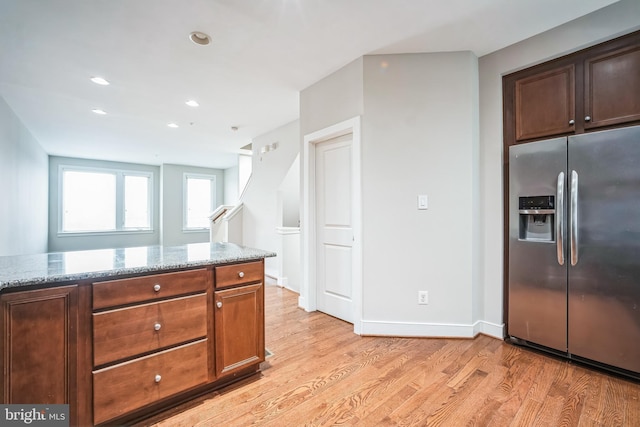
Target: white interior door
x,y
334,227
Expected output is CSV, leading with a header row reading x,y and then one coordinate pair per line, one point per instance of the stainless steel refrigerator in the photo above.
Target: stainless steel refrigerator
x,y
574,247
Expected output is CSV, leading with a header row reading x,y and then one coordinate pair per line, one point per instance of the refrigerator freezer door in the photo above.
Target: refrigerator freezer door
x,y
537,281
604,283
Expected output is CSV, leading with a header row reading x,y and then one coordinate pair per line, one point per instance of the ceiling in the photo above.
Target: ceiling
x,y
262,54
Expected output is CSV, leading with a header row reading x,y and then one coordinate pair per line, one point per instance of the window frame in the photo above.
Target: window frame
x,y
185,198
120,205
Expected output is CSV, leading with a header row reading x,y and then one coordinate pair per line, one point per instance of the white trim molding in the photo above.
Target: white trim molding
x,y
488,328
431,330
307,299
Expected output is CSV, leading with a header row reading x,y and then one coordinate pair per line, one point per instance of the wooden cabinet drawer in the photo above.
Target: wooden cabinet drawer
x,y
127,332
237,274
138,289
123,388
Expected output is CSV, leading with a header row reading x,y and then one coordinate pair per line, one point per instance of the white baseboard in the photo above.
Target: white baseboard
x,y
440,330
491,329
271,273
302,303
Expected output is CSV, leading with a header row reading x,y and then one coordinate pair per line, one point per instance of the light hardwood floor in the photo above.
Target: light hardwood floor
x,y
322,374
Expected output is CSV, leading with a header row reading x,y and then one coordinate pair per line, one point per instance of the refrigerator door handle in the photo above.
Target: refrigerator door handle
x,y
560,219
573,218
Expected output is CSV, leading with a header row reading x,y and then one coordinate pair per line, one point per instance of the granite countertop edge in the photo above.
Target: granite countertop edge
x,y
218,255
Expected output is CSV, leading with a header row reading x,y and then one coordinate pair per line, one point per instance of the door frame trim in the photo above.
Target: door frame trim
x,y
307,299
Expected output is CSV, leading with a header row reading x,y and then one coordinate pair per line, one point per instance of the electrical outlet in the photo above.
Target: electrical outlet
x,y
423,297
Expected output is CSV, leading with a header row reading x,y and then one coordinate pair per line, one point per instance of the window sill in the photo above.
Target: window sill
x,y
195,230
103,233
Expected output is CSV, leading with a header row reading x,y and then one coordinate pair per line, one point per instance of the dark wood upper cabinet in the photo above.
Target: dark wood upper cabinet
x,y
593,88
612,88
545,103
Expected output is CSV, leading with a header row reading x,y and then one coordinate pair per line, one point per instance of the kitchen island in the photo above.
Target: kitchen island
x,y
120,334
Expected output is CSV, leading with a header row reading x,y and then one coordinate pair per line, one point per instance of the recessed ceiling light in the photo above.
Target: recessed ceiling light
x,y
192,103
200,38
172,125
99,111
99,81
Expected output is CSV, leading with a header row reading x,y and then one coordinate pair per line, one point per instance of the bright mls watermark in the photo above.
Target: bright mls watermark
x,y
36,415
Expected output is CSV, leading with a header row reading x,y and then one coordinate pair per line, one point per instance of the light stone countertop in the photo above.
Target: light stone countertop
x,y
59,267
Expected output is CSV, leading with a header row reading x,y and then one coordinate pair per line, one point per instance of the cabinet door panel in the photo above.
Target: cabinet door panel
x,y
612,92
40,346
545,103
239,324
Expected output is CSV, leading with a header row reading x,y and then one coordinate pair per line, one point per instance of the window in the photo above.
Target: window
x,y
244,172
199,200
104,200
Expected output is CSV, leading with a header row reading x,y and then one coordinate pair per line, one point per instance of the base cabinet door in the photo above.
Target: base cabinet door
x,y
239,328
39,346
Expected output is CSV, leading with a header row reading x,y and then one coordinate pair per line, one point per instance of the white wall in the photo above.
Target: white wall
x,y
418,137
260,199
289,196
24,169
607,23
171,202
335,98
231,186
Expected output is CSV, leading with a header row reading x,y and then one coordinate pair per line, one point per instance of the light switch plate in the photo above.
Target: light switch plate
x,y
423,202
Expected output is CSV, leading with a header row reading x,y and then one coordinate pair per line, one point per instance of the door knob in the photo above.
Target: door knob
x,y
241,274
587,119
157,326
572,122
219,304
156,287
158,378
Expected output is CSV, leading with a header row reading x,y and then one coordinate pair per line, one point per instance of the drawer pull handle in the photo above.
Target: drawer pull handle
x,y
219,304
158,378
241,274
157,326
156,287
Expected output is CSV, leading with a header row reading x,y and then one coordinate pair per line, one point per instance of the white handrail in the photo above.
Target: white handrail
x,y
233,212
218,213
226,224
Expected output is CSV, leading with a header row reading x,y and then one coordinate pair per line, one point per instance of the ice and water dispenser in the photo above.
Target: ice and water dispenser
x,y
537,218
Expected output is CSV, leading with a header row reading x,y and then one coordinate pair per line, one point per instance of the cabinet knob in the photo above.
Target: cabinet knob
x,y
572,122
587,119
158,378
219,304
156,287
157,326
241,274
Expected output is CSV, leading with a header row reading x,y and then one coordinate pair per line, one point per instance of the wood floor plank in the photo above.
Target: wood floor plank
x,y
632,411
322,374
